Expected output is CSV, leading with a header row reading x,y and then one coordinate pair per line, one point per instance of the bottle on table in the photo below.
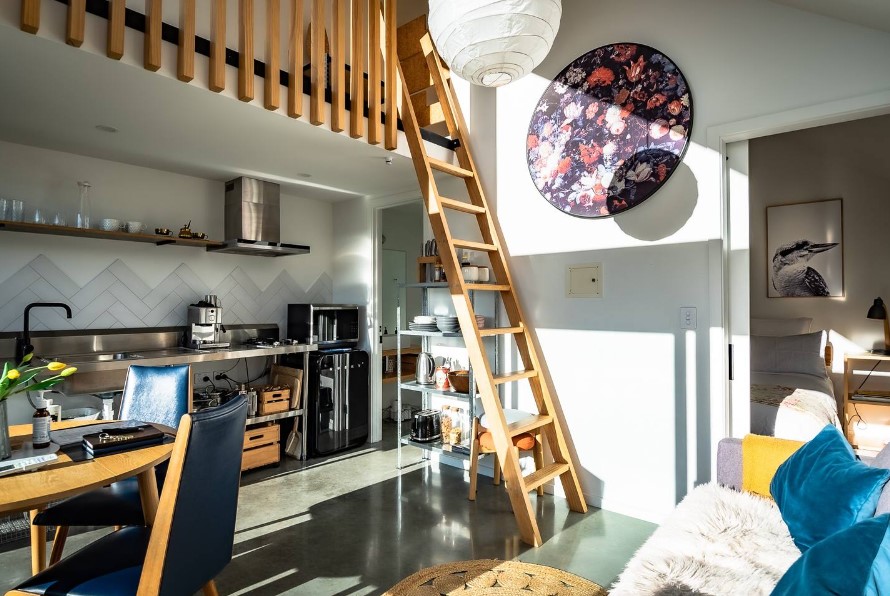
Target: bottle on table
x,y
40,424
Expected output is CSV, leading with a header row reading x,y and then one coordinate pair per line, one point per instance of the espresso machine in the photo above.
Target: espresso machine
x,y
205,327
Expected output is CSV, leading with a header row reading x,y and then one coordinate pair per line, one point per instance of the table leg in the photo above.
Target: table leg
x,y
38,544
148,494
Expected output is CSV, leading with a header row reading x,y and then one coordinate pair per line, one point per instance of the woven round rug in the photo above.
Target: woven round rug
x,y
484,577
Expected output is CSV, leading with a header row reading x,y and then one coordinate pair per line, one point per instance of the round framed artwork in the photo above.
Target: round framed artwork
x,y
609,130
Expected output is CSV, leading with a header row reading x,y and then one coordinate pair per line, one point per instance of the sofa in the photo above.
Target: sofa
x,y
722,540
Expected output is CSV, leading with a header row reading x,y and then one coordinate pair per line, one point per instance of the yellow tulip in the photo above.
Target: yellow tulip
x,y
13,374
68,371
54,366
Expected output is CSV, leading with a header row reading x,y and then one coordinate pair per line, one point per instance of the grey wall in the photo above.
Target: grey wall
x,y
847,161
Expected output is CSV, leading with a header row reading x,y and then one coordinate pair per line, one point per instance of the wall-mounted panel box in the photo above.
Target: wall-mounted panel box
x,y
585,281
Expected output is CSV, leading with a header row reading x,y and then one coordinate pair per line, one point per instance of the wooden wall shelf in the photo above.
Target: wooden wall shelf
x,y
157,239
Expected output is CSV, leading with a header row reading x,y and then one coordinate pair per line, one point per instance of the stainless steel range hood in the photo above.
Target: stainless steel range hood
x,y
253,220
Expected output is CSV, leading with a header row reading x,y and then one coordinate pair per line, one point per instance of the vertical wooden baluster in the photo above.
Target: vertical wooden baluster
x,y
317,64
295,61
272,82
392,88
152,58
185,64
338,67
116,14
357,72
374,74
245,50
77,14
30,16
218,46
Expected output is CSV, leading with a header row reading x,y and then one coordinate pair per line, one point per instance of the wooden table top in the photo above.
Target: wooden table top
x,y
64,477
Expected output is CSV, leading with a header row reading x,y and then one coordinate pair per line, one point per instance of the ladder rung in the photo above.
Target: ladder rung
x,y
461,206
514,376
489,287
444,166
528,424
500,331
473,245
544,475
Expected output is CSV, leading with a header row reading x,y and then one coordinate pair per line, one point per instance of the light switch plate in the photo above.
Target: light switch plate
x,y
585,281
688,317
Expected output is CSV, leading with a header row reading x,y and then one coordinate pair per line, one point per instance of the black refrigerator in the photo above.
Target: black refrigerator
x,y
337,415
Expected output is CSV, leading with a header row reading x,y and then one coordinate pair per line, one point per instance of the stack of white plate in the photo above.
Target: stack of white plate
x,y
423,323
480,321
448,324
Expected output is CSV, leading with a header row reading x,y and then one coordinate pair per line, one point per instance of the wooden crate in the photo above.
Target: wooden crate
x,y
273,401
261,446
289,377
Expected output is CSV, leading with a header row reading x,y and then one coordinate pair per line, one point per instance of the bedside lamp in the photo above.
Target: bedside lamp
x,y
879,311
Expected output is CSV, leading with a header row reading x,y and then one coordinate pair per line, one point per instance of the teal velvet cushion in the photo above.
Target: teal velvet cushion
x,y
822,488
855,561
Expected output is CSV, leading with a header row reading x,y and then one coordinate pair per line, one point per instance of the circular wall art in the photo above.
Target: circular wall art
x,y
609,130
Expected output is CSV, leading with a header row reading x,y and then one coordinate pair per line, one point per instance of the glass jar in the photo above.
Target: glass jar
x,y
83,213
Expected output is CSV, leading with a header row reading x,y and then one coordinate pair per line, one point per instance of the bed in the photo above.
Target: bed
x,y
792,396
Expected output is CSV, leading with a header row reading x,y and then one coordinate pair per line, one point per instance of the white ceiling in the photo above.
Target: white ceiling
x,y
56,96
868,13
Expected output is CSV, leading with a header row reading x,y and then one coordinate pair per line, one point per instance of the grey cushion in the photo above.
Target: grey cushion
x,y
780,327
800,354
882,460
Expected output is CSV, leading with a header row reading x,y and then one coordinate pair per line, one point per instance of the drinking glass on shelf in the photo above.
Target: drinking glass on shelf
x,y
59,219
4,208
38,217
17,210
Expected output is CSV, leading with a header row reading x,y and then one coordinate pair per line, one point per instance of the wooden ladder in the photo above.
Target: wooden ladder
x,y
547,419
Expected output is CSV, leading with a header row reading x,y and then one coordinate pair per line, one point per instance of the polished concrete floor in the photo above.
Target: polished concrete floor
x,y
354,524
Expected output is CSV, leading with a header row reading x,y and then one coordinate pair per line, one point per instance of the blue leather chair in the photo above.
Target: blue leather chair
x,y
194,531
160,394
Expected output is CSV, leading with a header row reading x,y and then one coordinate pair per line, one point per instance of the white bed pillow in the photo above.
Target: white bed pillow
x,y
781,327
801,354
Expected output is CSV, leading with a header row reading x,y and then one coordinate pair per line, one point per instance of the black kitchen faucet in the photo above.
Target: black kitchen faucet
x,y
23,345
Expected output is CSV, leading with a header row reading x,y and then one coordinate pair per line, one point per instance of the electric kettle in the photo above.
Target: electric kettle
x,y
425,369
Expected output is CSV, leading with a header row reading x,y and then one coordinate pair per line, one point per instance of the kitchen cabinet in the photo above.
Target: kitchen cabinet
x,y
465,403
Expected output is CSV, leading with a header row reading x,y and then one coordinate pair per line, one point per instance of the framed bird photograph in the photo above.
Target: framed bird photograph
x,y
805,249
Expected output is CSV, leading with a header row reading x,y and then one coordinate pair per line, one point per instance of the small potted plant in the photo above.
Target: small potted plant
x,y
16,379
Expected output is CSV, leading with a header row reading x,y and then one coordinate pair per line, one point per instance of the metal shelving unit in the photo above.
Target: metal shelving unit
x,y
461,450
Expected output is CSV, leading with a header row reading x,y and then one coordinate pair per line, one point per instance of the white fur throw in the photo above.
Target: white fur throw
x,y
717,541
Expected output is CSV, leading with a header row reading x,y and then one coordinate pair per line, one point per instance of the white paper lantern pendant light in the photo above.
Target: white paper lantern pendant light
x,y
493,42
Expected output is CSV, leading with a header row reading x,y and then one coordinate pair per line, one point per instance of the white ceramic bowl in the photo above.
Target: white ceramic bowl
x,y
81,414
110,225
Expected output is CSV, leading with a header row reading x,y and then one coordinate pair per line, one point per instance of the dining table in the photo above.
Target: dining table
x,y
72,474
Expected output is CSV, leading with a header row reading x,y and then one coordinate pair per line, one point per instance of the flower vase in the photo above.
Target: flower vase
x,y
5,447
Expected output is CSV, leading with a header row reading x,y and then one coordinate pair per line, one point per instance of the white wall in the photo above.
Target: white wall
x,y
630,382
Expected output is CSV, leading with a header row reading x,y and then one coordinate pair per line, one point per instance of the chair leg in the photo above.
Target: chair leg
x,y
497,469
210,589
538,452
58,544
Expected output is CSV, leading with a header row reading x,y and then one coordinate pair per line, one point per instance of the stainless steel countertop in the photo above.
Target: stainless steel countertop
x,y
86,363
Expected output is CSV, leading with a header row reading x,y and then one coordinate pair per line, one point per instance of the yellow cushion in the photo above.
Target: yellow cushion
x,y
761,457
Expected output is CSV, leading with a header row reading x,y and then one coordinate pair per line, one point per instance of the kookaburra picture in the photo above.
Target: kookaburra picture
x,y
805,256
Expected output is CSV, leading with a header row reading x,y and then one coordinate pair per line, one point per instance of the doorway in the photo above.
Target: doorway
x,y
401,243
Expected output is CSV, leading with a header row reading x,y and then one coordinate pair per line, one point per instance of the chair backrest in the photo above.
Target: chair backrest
x,y
194,530
160,394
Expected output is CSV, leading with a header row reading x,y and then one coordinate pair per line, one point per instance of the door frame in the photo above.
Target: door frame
x,y
375,298
732,198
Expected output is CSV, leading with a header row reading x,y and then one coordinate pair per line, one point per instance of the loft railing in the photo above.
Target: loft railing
x,y
360,32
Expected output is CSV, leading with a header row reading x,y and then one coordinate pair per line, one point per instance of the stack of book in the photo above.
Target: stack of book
x,y
109,440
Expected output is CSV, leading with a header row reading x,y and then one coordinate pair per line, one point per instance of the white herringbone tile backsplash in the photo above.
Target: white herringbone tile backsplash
x,y
118,297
